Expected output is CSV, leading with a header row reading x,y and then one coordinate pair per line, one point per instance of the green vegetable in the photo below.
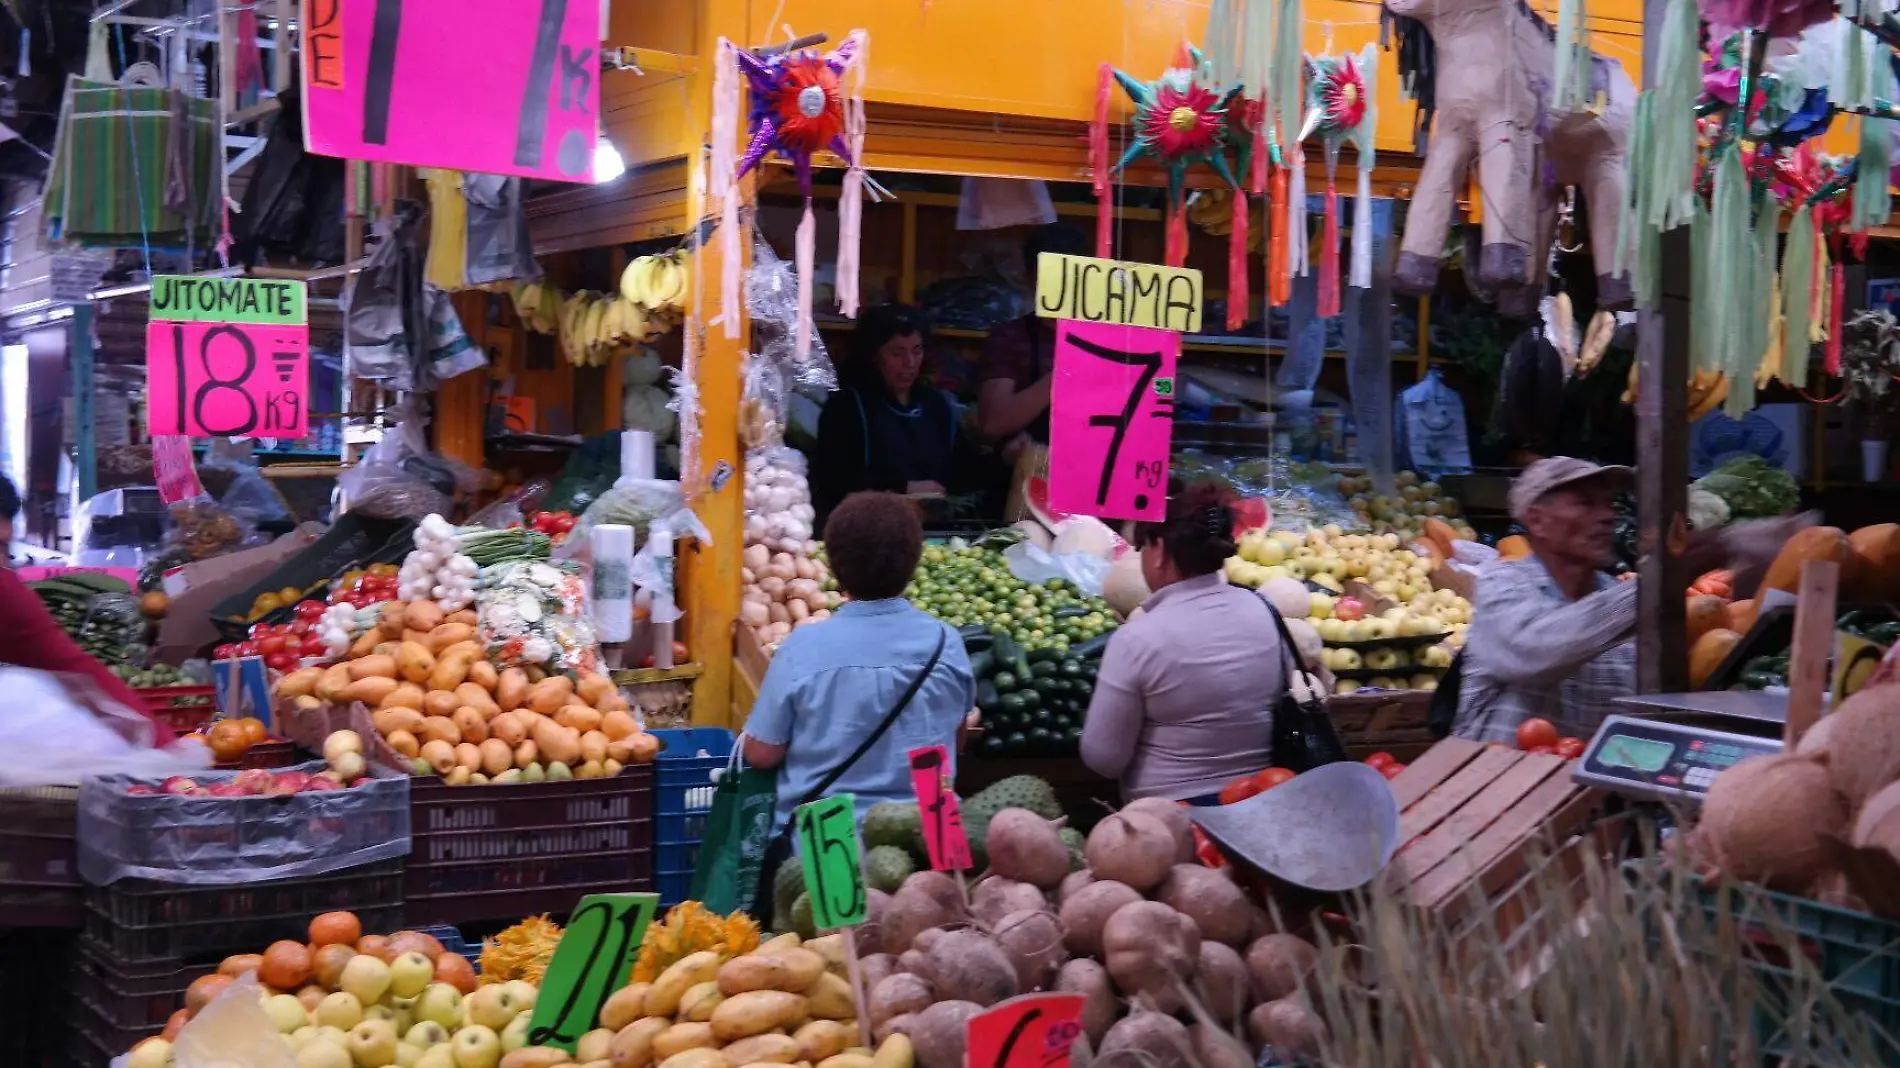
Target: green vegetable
x,y
1751,488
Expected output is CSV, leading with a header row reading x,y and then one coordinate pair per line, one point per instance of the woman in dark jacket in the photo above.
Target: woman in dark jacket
x,y
887,428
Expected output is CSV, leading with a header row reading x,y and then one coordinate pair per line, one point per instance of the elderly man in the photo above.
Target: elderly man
x,y
1551,634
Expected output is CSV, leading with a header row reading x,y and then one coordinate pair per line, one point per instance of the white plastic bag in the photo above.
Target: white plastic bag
x,y
1031,564
233,1031
58,729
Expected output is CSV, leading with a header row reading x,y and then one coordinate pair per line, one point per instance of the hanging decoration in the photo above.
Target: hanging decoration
x,y
1339,110
800,105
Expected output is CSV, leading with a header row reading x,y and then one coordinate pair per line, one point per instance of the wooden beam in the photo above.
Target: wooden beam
x,y
1811,648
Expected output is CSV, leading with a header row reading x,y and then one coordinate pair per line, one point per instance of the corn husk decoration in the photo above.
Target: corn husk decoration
x,y
1662,153
1572,76
1872,201
1287,103
1797,290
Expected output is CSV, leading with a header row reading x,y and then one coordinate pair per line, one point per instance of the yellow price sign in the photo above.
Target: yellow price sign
x,y
1087,290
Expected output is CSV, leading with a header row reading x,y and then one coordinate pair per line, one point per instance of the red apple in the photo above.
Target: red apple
x,y
288,782
228,789
252,780
1349,609
141,789
319,783
178,784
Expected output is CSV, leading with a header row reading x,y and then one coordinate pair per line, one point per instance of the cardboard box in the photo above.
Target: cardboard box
x,y
188,628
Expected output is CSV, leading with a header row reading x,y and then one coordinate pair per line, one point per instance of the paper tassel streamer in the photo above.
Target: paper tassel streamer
x,y
1238,298
802,266
1771,360
724,160
1823,292
1797,289
1329,254
1175,253
1728,251
1284,94
1669,176
1279,244
1359,275
1873,203
1758,315
1572,91
851,193
1296,215
1836,300
1101,172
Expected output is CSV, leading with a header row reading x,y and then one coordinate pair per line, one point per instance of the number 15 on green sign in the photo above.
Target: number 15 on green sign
x,y
828,848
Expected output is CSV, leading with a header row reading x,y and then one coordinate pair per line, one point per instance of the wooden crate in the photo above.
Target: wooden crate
x,y
1478,816
1388,721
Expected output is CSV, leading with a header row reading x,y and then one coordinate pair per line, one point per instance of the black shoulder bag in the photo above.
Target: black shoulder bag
x,y
1442,714
1303,733
781,848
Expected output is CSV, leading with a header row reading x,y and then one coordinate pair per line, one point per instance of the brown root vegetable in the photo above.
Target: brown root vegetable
x,y
1767,817
1279,963
870,934
967,966
1211,900
1027,848
895,995
1222,981
912,911
913,962
1174,817
1260,924
997,897
1089,979
1150,948
1215,1048
1086,912
940,887
896,1025
874,967
1291,1030
1073,882
1878,825
1131,848
1032,938
1145,1040
938,1033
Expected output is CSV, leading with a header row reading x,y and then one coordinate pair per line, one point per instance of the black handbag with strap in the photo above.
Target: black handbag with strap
x,y
1303,733
781,847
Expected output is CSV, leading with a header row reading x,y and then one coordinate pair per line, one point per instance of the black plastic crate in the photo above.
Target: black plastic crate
x,y
136,921
35,995
495,852
132,999
39,858
352,541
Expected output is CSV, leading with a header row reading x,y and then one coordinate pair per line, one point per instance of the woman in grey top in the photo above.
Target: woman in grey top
x,y
1184,701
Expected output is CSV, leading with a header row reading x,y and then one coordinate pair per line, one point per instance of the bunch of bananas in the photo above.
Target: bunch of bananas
x,y
658,283
538,305
1707,391
595,328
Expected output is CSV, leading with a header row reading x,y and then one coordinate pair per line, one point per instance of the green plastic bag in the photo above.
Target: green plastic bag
x,y
739,831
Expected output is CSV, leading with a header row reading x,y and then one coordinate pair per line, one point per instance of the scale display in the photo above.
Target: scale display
x,y
1663,760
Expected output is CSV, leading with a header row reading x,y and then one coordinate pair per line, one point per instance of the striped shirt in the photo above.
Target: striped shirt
x,y
1532,651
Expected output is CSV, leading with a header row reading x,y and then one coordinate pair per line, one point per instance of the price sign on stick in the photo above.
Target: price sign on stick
x,y
1111,419
1032,1031
227,357
828,848
944,839
592,960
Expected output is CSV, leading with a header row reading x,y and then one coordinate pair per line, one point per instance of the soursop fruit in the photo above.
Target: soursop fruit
x,y
886,867
802,920
1017,791
893,823
1075,840
787,885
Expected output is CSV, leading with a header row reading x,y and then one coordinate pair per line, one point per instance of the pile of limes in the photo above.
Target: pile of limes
x,y
966,585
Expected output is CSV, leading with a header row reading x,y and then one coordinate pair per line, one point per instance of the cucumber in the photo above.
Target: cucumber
x,y
988,700
981,664
1091,648
1005,682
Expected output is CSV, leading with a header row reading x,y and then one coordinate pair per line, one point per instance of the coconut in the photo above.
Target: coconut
x,y
1815,741
1765,818
1288,595
1123,587
1878,825
1863,743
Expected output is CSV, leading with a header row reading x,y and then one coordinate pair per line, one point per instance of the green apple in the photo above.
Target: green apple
x,y
492,1006
151,1053
324,1053
341,1010
365,976
534,773
515,1035
286,1013
410,973
441,1004
476,1047
372,1044
559,772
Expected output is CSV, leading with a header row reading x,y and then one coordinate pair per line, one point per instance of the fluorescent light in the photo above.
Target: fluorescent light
x,y
607,162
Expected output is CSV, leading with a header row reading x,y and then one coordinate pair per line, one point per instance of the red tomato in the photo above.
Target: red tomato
x,y
271,644
224,652
247,649
281,661
293,644
1534,732
563,523
679,653
1379,759
1239,790
1541,749
309,609
300,628
1391,771
1206,851
1273,777
1569,748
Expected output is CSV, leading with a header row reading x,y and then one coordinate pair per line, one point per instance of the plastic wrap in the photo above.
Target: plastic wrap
x,y
536,614
777,496
233,1029
762,404
201,529
450,351
383,307
638,504
771,294
61,728
1031,564
222,841
400,478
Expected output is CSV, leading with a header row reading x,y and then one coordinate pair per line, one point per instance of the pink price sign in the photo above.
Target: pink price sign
x,y
206,379
128,575
1111,419
497,86
944,839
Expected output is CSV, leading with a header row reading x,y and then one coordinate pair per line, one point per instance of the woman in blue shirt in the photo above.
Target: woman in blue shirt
x,y
832,685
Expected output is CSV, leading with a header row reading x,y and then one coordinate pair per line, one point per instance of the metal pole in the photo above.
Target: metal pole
x,y
85,436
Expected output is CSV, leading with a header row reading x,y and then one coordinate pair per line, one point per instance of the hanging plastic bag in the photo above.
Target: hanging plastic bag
x,y
382,306
1432,426
996,203
450,351
499,247
771,294
1033,564
400,478
762,400
638,503
233,1029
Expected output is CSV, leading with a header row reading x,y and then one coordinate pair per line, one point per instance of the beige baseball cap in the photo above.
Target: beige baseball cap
x,y
1555,472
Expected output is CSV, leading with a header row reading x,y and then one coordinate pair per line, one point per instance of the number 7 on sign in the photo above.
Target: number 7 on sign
x,y
1121,474
944,839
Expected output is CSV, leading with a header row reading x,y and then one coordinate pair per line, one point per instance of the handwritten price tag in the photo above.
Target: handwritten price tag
x,y
1111,420
526,76
1032,1031
944,839
593,959
227,357
828,849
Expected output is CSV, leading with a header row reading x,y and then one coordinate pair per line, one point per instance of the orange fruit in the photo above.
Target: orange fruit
x,y
254,731
203,989
286,965
375,946
239,963
334,927
329,962
228,740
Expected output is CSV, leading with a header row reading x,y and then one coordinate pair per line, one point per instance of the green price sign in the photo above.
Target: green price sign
x,y
592,960
828,847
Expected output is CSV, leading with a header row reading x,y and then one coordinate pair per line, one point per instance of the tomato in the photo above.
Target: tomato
x,y
1379,759
309,609
271,644
1569,748
679,653
563,522
247,649
224,652
292,644
1239,790
1534,732
1273,777
1206,851
301,628
1541,749
1391,771
281,661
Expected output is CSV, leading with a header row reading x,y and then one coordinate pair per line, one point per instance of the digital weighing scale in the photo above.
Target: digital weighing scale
x,y
1672,749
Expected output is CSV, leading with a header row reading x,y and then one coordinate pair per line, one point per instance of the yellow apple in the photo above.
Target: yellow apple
x,y
372,1044
440,1004
1427,683
324,1053
476,1047
1268,552
341,1010
1346,686
1321,607
408,1056
1327,581
151,1053
515,1035
301,1037
492,1006
437,1057
410,973
365,976
525,992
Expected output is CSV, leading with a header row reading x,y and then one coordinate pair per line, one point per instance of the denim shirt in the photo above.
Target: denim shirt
x,y
832,683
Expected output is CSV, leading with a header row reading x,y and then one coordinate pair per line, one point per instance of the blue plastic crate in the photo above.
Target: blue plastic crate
x,y
682,797
453,942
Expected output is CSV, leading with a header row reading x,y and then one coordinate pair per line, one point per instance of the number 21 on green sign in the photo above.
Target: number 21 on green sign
x,y
828,848
591,961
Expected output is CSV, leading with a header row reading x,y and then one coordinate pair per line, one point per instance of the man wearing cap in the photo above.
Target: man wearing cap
x,y
1551,634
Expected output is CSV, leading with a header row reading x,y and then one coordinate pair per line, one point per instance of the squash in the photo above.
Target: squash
x,y
1741,616
1873,574
1515,547
1813,543
1441,534
1707,654
1706,612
